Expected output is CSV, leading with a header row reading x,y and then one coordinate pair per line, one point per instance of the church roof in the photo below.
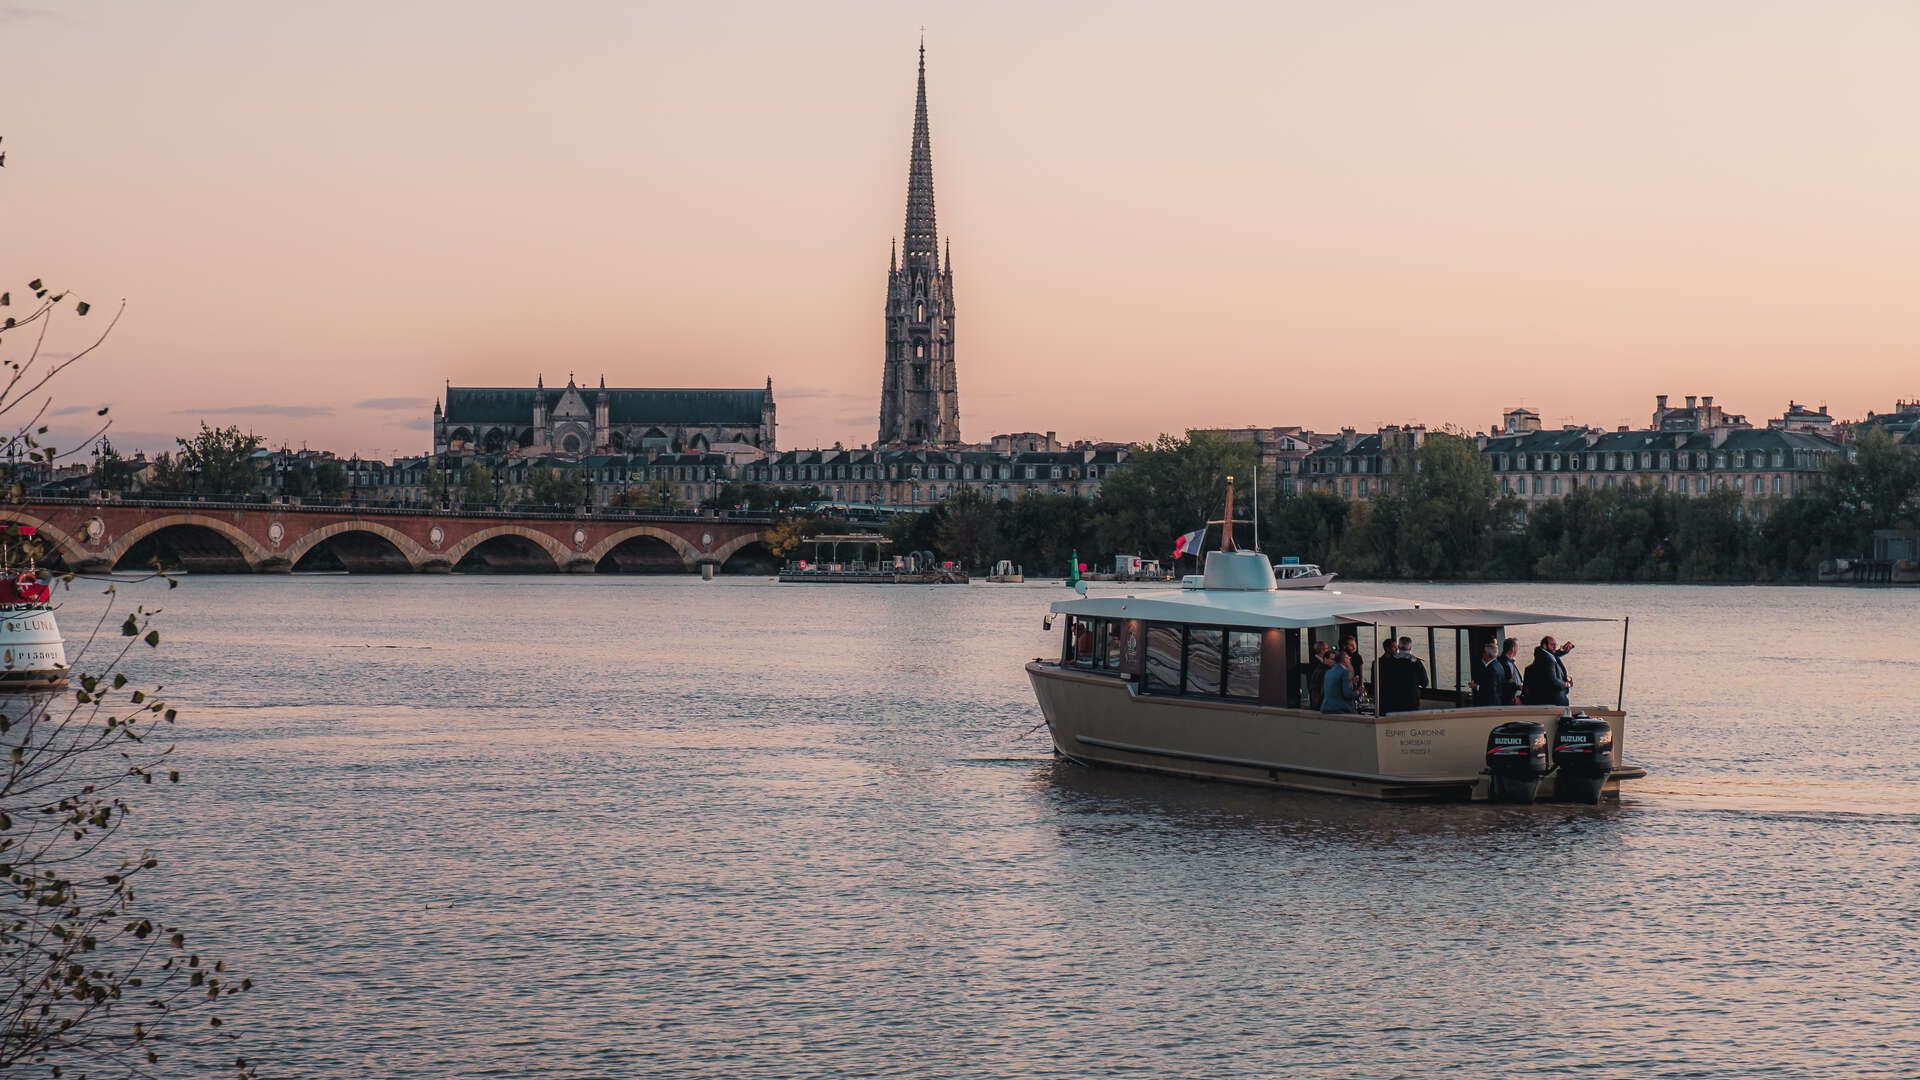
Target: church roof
x,y
514,405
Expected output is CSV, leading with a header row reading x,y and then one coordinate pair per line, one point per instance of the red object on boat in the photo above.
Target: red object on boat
x,y
23,589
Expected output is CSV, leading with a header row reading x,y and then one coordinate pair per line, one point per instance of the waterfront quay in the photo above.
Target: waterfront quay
x,y
91,536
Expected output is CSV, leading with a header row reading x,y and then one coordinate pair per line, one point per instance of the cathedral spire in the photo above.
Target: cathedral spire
x,y
921,240
919,394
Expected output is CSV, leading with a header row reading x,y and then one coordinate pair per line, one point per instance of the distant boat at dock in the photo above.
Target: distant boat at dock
x,y
866,562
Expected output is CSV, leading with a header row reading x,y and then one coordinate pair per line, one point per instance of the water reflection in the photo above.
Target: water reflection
x,y
1328,819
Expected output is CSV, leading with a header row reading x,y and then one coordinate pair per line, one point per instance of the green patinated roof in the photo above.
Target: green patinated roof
x,y
514,405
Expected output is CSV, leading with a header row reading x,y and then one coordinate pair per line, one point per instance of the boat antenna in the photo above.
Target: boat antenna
x,y
1256,506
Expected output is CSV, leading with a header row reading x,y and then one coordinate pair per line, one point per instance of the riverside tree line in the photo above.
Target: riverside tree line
x,y
1444,518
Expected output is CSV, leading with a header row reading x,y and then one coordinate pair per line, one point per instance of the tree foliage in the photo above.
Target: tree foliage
x,y
1170,487
476,486
557,487
216,461
1442,517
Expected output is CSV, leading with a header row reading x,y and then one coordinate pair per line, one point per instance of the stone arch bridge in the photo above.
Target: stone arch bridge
x,y
218,537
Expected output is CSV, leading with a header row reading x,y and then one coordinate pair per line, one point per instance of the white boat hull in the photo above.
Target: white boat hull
x,y
32,652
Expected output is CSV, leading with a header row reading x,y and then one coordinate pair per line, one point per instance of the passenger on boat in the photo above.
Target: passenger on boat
x,y
1546,679
1389,651
1317,668
1486,676
1507,676
1350,648
1336,691
1083,641
1414,675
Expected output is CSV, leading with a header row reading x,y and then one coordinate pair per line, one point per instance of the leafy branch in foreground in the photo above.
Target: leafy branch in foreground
x,y
90,977
91,981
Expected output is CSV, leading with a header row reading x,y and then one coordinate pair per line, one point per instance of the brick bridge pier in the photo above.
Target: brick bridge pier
x,y
219,537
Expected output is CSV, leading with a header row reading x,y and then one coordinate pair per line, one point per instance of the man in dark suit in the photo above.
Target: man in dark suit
x,y
1399,677
1416,678
1546,680
1486,675
1507,678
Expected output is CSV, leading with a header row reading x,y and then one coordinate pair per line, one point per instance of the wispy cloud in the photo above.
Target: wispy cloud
x,y
74,410
25,13
259,410
393,403
803,393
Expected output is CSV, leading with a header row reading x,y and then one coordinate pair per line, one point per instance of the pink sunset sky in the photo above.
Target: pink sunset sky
x,y
1162,216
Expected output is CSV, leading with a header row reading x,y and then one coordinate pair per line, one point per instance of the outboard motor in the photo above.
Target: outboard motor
x,y
1516,761
1583,754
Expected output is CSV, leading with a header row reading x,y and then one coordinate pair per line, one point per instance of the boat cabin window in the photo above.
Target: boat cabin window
x,y
1093,644
1206,661
1203,660
1164,648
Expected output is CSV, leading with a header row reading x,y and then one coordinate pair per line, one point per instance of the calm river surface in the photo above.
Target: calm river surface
x,y
591,827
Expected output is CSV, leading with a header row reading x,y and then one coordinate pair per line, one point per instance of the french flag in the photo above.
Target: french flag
x,y
1190,543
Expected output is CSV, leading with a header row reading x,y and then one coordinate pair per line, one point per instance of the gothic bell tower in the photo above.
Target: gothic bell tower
x,y
919,396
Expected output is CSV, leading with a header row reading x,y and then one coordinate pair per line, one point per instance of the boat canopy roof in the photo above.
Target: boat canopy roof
x,y
1285,609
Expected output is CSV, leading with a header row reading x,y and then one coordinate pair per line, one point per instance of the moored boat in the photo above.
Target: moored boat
x,y
1290,573
32,653
1208,682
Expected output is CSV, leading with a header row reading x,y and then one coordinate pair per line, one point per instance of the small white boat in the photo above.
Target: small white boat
x,y
1007,572
1213,681
1290,574
33,655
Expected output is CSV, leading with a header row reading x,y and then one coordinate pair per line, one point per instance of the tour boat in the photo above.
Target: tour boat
x,y
32,654
1208,682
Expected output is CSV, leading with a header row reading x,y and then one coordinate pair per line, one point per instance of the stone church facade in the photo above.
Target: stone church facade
x,y
919,394
575,421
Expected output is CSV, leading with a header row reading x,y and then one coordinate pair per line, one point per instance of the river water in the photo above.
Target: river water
x,y
585,827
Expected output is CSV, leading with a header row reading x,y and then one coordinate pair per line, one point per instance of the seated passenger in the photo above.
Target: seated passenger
x,y
1083,642
1336,688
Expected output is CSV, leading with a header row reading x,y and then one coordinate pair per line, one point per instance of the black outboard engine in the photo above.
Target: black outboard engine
x,y
1516,760
1583,754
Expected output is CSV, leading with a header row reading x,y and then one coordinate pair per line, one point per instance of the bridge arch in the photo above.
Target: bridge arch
x,y
58,542
689,555
559,552
740,546
408,548
250,550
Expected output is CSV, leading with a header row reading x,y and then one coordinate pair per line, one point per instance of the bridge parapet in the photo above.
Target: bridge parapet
x,y
225,536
